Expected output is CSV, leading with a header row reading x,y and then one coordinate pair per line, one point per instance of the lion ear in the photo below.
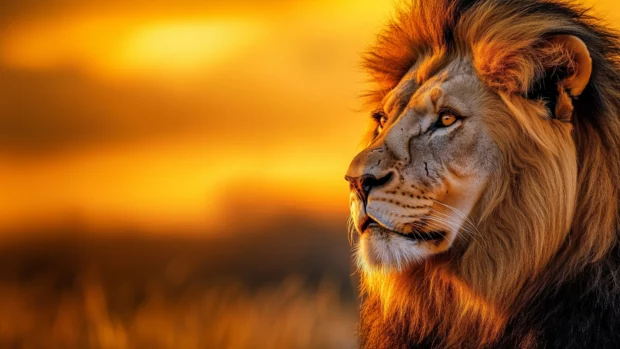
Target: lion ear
x,y
568,67
580,63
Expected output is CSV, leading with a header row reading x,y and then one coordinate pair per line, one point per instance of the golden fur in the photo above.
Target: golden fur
x,y
467,296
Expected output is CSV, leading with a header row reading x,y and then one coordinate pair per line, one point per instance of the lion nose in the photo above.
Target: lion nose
x,y
364,184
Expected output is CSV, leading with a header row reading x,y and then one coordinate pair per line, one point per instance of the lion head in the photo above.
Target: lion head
x,y
491,167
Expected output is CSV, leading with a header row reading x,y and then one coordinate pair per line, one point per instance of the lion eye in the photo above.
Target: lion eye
x,y
446,119
381,119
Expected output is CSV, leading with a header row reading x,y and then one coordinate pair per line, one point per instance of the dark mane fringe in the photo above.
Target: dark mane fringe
x,y
584,271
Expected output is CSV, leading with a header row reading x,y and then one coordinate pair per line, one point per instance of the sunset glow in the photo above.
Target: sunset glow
x,y
184,46
129,48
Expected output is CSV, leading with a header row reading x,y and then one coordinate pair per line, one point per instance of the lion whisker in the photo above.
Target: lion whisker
x,y
455,225
457,211
350,230
467,226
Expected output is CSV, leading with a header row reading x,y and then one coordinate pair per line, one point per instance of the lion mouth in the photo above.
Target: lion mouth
x,y
431,236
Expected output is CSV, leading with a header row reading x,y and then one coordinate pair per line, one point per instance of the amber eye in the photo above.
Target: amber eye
x,y
446,119
381,119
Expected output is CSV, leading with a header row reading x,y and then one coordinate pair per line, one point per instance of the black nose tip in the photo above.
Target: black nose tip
x,y
364,184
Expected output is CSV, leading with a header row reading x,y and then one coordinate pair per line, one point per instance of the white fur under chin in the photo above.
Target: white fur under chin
x,y
389,252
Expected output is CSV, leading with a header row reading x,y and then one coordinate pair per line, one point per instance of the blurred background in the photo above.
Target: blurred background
x,y
171,172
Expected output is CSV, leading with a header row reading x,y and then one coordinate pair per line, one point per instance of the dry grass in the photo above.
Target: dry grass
x,y
230,316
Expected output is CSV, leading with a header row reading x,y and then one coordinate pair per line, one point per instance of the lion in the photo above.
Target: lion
x,y
486,197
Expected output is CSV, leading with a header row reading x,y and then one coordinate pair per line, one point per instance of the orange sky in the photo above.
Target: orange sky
x,y
179,113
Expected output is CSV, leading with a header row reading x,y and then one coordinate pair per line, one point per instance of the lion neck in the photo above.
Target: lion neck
x,y
430,300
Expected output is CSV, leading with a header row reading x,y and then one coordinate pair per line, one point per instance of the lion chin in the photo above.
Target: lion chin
x,y
486,198
383,249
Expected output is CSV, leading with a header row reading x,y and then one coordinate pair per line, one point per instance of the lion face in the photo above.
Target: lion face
x,y
430,158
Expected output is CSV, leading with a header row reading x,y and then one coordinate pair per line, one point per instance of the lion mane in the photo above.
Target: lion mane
x,y
541,275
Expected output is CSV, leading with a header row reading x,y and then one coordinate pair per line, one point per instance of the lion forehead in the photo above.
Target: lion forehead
x,y
456,85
